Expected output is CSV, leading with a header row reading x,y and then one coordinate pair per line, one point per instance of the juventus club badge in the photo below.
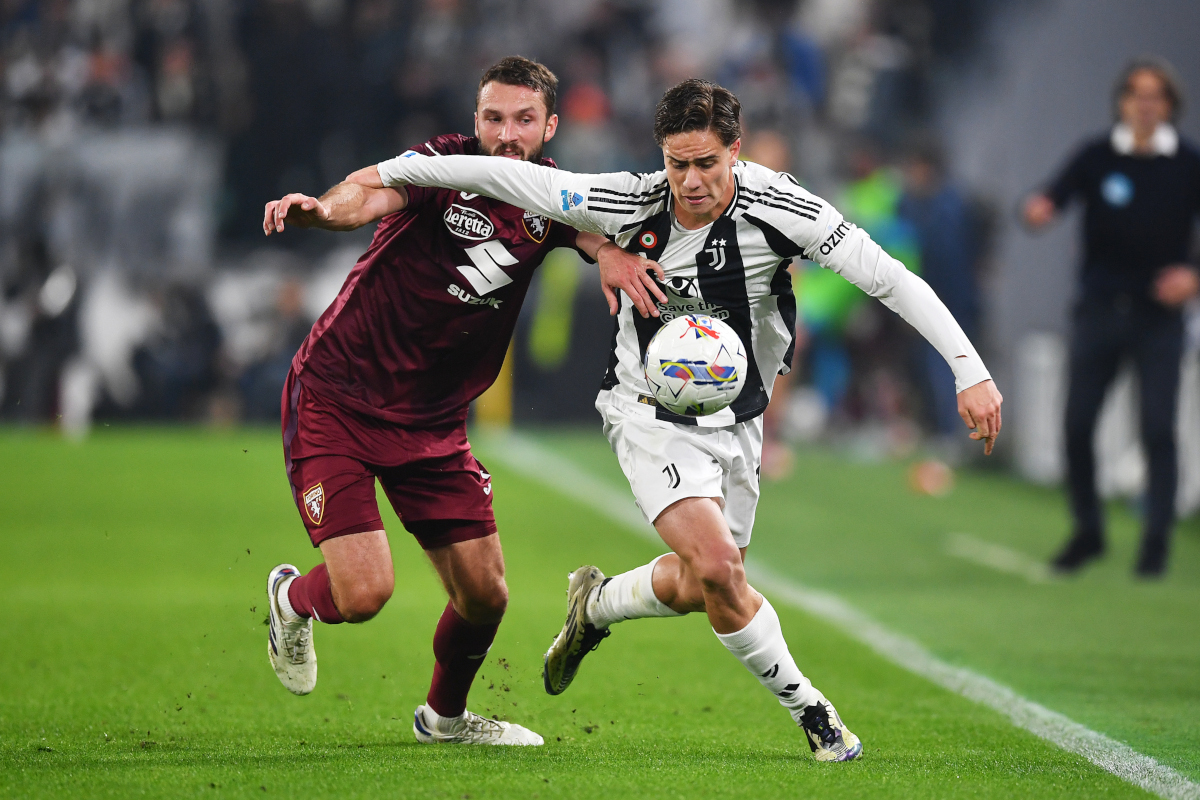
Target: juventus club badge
x,y
536,226
314,504
716,255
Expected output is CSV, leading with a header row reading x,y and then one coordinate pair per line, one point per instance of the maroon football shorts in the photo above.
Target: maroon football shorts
x,y
439,490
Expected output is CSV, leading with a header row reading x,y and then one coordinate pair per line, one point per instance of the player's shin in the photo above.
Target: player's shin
x,y
629,595
459,648
760,646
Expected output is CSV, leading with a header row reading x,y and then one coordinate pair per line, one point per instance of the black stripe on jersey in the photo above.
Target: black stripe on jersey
x,y
602,190
795,204
649,201
781,245
660,226
790,209
721,278
737,195
781,287
809,205
781,281
778,194
593,207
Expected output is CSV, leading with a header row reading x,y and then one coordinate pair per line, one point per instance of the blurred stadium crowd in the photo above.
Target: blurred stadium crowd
x,y
141,139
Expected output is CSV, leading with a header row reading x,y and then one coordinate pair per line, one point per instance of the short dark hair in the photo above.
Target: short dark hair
x,y
698,105
521,71
1162,69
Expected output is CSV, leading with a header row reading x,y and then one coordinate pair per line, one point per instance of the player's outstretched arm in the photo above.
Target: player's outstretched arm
x,y
563,196
850,252
345,207
620,270
864,263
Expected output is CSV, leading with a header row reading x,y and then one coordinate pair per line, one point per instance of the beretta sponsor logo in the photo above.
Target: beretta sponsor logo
x,y
468,223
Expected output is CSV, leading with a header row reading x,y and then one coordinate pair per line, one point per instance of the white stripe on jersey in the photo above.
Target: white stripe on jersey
x,y
770,220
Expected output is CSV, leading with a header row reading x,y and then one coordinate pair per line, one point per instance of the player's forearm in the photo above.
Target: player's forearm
x,y
519,183
864,263
590,244
351,206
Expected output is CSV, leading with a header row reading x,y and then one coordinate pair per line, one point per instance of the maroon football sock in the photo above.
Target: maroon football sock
x,y
311,595
459,648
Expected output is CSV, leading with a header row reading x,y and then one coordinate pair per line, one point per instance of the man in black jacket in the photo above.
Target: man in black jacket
x,y
1140,188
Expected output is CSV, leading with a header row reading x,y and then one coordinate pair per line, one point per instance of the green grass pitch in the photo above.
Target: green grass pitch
x,y
132,663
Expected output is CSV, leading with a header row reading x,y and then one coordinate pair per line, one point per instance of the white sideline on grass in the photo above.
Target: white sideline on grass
x,y
529,458
998,557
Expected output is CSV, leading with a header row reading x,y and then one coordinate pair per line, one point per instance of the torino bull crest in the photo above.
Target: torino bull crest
x,y
695,365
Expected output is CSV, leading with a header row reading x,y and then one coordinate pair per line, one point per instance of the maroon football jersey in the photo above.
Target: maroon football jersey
x,y
422,324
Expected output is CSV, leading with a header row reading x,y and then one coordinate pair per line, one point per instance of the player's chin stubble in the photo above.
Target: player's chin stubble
x,y
514,150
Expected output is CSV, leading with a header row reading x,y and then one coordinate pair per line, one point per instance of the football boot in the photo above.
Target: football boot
x,y
289,644
578,637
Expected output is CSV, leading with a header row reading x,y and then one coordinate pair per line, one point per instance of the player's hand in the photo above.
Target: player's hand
x,y
631,274
294,209
979,406
1039,211
1176,284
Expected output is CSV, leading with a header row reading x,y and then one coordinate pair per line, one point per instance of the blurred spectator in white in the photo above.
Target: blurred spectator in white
x,y
38,334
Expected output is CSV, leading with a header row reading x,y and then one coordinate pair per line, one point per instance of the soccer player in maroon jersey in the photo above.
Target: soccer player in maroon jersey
x,y
380,390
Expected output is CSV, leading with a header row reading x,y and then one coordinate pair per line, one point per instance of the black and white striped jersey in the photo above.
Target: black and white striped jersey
x,y
734,268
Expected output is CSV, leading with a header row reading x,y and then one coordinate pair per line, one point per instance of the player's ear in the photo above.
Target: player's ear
x,y
477,125
551,128
735,148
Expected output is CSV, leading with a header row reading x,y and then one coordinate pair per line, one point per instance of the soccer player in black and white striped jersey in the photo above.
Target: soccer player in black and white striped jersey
x,y
724,232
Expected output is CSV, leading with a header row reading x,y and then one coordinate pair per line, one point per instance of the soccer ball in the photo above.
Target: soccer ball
x,y
695,365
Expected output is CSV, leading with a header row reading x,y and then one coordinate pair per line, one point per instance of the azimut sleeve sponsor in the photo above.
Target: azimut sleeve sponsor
x,y
824,236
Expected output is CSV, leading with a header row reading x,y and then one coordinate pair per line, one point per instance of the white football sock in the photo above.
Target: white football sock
x,y
629,595
760,646
286,612
442,724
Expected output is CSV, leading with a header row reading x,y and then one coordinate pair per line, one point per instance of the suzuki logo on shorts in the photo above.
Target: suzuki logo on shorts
x,y
468,223
485,275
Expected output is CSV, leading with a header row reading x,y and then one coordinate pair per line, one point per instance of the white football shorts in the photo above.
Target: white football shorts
x,y
665,462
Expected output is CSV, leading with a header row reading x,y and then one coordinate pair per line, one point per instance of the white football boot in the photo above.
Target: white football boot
x,y
827,735
578,637
289,645
468,729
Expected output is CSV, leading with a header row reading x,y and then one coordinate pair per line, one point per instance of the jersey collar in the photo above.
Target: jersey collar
x,y
1163,142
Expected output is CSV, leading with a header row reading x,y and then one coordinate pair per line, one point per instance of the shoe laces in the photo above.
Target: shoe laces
x,y
592,637
815,720
482,726
296,642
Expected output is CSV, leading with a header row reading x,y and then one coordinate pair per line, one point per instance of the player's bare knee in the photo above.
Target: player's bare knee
x,y
364,600
719,572
486,604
